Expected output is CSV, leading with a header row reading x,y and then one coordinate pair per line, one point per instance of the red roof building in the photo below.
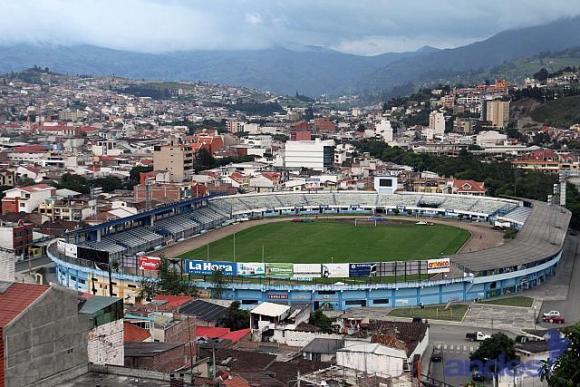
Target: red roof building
x,y
467,187
134,334
324,125
221,333
16,299
236,381
38,313
172,303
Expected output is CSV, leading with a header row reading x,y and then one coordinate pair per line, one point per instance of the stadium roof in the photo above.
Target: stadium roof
x,y
541,236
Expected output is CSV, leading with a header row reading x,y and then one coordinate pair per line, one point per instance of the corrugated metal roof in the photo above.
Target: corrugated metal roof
x,y
96,303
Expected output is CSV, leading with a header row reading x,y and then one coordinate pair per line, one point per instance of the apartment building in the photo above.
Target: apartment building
x,y
176,159
497,112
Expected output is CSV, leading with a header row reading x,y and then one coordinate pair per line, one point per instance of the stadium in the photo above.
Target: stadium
x,y
413,250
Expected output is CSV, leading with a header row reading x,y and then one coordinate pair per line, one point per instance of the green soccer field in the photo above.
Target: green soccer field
x,y
339,242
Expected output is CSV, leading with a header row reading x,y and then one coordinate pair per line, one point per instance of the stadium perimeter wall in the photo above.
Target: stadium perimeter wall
x,y
84,278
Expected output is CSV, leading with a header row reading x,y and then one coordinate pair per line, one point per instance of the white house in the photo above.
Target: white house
x,y
26,199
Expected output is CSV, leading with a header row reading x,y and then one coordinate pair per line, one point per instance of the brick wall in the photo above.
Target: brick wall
x,y
1,358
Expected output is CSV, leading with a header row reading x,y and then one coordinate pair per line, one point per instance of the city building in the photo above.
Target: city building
x,y
105,337
235,126
26,199
466,187
317,155
73,210
497,112
43,339
7,177
16,237
177,159
384,130
437,122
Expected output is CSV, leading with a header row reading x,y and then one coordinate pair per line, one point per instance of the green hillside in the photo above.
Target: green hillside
x,y
563,112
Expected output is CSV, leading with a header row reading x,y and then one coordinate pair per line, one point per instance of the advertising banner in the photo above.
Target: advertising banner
x,y
251,269
362,270
149,263
201,267
442,265
70,250
279,270
335,270
306,270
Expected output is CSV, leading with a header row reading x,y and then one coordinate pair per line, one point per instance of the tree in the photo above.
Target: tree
x,y
74,182
204,160
169,282
25,181
541,75
497,351
235,318
148,289
319,319
109,183
563,369
217,280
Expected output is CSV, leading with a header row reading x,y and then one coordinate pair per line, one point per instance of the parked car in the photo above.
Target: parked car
x,y
552,313
477,336
436,356
554,320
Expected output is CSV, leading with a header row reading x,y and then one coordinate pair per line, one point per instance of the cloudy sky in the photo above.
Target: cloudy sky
x,y
356,26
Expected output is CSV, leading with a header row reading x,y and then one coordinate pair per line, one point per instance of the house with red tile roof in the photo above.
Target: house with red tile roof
x,y
466,187
39,313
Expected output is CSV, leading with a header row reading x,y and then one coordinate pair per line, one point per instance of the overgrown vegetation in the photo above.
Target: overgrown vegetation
x,y
169,281
562,112
235,318
320,320
500,177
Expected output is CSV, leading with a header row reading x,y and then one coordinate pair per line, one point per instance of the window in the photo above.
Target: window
x,y
386,183
381,301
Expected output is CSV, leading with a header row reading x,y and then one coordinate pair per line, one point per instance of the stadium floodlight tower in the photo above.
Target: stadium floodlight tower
x,y
386,185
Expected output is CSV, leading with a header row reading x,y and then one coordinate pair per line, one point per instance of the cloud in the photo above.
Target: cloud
x,y
361,26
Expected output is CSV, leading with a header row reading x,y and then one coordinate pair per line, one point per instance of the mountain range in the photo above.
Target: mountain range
x,y
307,70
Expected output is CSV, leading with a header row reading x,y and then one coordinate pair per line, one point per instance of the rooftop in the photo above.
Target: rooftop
x,y
148,349
16,297
96,303
270,309
203,310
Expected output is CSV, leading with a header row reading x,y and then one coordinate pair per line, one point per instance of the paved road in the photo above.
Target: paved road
x,y
34,264
455,349
569,308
